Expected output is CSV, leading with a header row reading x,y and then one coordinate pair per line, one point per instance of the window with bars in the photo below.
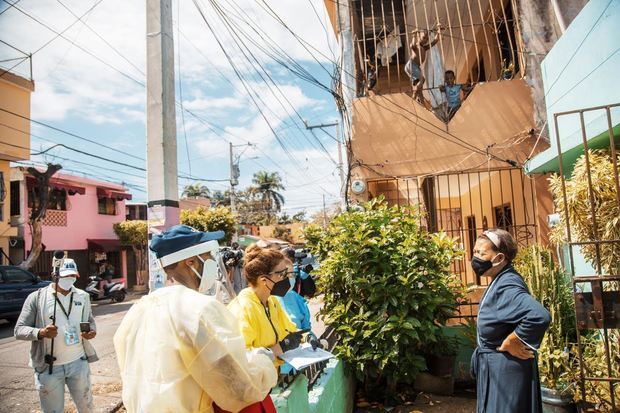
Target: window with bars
x,y
107,206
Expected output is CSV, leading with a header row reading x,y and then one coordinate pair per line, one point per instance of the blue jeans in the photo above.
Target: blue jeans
x,y
51,387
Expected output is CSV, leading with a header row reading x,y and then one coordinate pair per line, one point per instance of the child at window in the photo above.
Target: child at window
x,y
453,92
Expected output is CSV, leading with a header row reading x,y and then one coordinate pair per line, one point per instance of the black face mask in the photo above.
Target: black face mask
x,y
480,266
281,287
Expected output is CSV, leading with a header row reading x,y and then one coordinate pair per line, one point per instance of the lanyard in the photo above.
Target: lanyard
x,y
268,313
62,307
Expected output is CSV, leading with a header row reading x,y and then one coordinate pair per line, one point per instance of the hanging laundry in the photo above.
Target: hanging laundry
x,y
388,47
434,71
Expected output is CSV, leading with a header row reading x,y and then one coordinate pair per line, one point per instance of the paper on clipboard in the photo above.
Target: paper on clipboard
x,y
303,356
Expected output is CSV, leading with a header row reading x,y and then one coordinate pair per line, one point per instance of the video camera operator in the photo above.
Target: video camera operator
x,y
304,283
233,260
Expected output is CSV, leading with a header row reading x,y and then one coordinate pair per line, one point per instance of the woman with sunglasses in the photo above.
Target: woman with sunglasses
x,y
262,319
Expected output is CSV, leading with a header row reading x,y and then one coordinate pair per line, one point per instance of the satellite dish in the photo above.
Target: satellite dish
x,y
358,186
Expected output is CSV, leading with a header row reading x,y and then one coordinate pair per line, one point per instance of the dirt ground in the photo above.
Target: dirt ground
x,y
464,403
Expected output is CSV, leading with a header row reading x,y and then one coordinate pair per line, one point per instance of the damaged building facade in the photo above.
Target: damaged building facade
x,y
457,150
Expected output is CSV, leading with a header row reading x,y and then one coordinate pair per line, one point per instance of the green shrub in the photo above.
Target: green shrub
x,y
388,290
211,219
550,286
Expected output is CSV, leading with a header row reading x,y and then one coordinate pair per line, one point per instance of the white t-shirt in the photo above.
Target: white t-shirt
x,y
65,353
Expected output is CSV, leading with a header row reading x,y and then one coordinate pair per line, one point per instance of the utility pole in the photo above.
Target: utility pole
x,y
340,164
234,181
161,140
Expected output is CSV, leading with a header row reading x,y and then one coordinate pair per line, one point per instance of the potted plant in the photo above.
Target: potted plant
x,y
550,285
441,355
387,291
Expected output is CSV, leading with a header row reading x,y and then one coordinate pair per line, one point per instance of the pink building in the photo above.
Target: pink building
x,y
79,220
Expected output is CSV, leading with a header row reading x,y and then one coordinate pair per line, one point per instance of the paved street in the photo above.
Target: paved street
x,y
17,393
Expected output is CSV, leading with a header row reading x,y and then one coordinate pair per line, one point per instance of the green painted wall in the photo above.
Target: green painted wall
x,y
332,393
463,358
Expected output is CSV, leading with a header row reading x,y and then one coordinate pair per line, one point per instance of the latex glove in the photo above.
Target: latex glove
x,y
265,352
290,342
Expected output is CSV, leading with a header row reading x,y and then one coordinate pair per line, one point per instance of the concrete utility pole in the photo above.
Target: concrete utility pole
x,y
161,140
234,181
340,164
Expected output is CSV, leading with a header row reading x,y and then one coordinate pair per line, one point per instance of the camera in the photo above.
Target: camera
x,y
300,254
232,258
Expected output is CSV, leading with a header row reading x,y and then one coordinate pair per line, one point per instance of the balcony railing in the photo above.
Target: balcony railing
x,y
53,218
476,39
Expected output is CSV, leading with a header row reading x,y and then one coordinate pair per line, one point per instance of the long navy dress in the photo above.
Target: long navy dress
x,y
505,383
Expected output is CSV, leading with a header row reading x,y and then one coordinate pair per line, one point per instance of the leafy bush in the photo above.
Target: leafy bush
x,y
388,290
607,210
550,285
211,219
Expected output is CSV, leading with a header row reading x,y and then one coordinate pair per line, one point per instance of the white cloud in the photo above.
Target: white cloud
x,y
72,86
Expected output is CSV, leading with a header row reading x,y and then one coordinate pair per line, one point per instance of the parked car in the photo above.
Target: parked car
x,y
15,285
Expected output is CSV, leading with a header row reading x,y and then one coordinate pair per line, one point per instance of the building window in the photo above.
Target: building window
x,y
57,201
503,217
107,206
15,199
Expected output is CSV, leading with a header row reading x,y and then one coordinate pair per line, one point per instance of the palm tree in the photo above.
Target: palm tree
x,y
266,185
196,190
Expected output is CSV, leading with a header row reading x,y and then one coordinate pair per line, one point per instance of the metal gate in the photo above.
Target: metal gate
x,y
463,205
597,296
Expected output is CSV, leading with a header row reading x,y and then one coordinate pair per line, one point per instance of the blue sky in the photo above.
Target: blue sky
x,y
79,93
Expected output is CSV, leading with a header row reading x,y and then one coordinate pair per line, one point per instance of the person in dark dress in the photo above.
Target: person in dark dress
x,y
511,326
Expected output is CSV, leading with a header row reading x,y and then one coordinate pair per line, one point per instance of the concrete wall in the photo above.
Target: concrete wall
x,y
581,71
15,97
334,392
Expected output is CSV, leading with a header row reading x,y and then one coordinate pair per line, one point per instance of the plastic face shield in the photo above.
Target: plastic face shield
x,y
210,267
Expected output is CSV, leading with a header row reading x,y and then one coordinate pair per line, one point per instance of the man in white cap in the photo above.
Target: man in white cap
x,y
179,350
74,326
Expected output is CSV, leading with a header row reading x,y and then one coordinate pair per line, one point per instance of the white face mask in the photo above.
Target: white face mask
x,y
66,283
208,276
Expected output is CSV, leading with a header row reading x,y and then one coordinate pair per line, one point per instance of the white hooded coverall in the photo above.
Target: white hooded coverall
x,y
179,350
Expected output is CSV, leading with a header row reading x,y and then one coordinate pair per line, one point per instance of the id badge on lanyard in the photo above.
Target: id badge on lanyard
x,y
71,333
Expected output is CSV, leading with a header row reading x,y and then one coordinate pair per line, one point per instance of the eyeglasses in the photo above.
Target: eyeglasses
x,y
283,273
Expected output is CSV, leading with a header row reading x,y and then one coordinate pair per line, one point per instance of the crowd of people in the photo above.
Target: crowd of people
x,y
182,350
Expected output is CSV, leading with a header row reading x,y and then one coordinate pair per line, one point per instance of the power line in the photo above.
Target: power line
x,y
70,133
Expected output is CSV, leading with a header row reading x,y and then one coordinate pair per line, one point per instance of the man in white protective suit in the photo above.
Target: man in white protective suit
x,y
181,351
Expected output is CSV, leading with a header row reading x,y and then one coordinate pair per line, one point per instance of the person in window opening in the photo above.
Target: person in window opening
x,y
511,326
453,92
181,351
262,319
419,46
371,77
72,349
